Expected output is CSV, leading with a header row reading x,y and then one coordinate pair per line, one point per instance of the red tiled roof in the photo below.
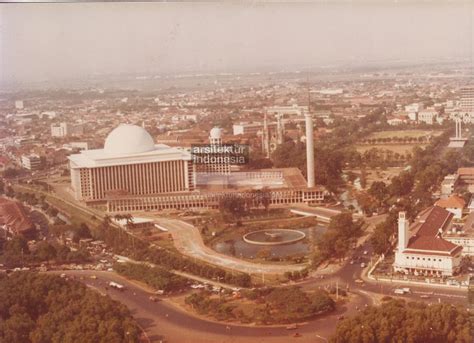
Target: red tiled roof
x,y
433,220
465,171
432,243
427,239
453,201
13,214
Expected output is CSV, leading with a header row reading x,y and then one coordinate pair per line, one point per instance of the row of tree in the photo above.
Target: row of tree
x,y
16,252
397,140
399,321
155,277
125,244
39,308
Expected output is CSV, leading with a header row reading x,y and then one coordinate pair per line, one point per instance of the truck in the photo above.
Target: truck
x,y
116,286
399,291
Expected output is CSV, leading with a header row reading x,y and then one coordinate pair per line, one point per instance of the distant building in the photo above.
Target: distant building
x,y
65,129
466,175
14,219
246,128
294,110
422,250
414,108
448,184
427,116
465,110
467,99
395,121
461,233
19,104
184,117
328,91
49,114
454,204
77,145
31,162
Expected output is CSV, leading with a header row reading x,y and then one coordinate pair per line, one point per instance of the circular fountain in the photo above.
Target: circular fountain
x,y
273,237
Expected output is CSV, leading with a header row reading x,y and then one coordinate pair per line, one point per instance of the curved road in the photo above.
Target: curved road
x,y
164,321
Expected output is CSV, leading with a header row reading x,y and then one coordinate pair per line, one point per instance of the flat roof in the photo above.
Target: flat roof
x,y
102,158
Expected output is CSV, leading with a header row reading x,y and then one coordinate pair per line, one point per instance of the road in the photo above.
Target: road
x,y
164,321
188,241
349,273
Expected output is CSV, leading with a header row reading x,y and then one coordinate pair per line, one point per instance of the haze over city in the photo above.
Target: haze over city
x,y
66,41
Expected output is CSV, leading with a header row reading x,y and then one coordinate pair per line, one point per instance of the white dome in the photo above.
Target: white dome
x,y
216,133
128,139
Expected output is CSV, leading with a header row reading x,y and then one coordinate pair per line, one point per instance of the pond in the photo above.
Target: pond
x,y
239,248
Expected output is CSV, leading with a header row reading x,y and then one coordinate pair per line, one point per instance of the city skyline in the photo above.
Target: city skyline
x,y
67,41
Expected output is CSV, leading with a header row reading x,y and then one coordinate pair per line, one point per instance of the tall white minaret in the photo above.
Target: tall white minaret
x,y
280,129
266,133
402,231
309,149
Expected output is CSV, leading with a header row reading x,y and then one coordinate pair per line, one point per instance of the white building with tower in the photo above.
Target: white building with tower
x,y
132,173
216,161
421,249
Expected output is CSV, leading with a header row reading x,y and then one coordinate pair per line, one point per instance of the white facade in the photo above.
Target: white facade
x,y
327,91
132,164
31,162
246,128
19,104
467,99
414,108
65,129
428,117
448,184
422,254
420,261
290,110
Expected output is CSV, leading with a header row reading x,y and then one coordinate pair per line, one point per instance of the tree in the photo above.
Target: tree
x,y
342,232
233,206
397,321
83,231
378,189
45,251
39,308
15,251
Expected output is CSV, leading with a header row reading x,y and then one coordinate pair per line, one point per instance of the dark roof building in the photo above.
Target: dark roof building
x,y
14,218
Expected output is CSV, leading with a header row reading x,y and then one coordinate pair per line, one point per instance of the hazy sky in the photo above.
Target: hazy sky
x,y
49,41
